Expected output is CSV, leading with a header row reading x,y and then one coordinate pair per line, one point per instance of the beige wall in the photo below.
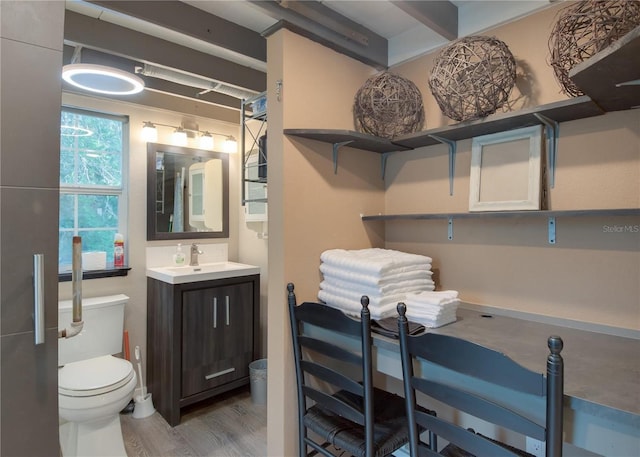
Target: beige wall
x,y
311,209
591,274
134,284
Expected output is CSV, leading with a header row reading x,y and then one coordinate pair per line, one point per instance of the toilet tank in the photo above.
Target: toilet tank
x,y
102,331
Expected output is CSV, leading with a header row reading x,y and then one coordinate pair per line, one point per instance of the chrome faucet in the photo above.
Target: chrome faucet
x,y
195,250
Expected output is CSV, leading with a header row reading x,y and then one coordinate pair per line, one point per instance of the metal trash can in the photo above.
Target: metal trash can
x,y
258,379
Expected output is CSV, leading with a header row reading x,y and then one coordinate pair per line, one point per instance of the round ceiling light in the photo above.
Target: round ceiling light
x,y
101,79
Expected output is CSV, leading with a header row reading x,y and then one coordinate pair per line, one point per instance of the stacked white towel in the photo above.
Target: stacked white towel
x,y
384,275
432,309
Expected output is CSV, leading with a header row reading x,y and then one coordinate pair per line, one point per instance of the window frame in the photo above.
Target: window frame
x,y
121,191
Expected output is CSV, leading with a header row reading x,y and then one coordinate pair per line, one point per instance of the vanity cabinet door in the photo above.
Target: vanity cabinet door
x,y
217,336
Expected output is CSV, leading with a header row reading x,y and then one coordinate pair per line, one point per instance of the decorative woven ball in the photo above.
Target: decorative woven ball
x,y
388,106
585,28
473,77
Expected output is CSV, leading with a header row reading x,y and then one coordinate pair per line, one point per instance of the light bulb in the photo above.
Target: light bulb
x,y
206,141
230,145
179,137
149,133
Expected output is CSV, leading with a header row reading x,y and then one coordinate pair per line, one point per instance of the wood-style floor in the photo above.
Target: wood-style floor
x,y
228,425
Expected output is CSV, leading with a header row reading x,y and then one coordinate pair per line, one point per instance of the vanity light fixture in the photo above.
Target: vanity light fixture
x,y
182,133
102,79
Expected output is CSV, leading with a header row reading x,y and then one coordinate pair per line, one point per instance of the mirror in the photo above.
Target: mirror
x,y
187,193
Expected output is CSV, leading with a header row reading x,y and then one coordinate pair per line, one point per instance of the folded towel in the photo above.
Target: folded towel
x,y
432,309
353,307
433,323
372,260
338,286
407,273
433,313
430,297
374,301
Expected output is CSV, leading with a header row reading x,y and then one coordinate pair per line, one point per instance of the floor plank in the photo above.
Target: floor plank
x,y
228,425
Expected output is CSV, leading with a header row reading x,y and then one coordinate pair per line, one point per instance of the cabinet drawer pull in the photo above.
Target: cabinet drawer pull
x,y
215,312
226,304
219,373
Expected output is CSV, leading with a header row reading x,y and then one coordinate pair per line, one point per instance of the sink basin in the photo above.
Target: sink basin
x,y
202,272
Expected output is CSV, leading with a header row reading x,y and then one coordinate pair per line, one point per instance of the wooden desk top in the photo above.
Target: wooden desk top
x,y
602,372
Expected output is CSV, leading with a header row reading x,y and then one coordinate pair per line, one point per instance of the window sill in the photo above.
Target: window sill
x,y
96,274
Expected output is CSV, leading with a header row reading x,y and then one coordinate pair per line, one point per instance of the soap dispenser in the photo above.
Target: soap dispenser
x,y
179,257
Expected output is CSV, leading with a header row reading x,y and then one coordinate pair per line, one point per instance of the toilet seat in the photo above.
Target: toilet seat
x,y
96,376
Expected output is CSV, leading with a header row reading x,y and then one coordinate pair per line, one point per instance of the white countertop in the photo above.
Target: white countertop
x,y
202,272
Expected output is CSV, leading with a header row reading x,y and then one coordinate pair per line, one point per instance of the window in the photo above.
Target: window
x,y
93,176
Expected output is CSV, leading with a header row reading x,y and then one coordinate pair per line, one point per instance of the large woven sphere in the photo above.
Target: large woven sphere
x,y
473,77
388,106
585,28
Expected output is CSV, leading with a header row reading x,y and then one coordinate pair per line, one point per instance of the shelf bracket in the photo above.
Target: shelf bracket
x,y
452,158
450,228
552,230
383,163
337,146
552,129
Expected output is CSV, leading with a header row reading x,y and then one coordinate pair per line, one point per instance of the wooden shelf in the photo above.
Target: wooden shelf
x,y
562,111
505,214
348,138
549,215
549,115
599,76
565,110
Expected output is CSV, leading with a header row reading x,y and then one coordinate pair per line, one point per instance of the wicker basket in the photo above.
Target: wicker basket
x,y
473,77
585,28
388,106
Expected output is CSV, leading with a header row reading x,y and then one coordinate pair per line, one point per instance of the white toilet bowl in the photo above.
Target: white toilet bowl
x,y
91,394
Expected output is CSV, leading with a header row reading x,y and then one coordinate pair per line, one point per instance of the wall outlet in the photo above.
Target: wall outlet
x,y
535,447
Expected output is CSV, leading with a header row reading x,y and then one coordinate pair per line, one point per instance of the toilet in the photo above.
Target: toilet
x,y
93,385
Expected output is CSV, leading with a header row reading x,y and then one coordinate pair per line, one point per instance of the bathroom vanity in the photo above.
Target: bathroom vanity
x,y
202,332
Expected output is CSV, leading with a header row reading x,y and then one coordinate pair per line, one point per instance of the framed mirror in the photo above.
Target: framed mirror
x,y
187,193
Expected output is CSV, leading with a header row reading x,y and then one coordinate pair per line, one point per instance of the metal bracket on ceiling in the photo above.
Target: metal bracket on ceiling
x,y
77,53
552,130
452,158
450,228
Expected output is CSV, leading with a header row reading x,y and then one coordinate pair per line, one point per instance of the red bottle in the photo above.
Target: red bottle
x,y
118,250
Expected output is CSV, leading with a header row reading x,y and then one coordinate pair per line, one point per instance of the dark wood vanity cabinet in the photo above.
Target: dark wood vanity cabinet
x,y
201,338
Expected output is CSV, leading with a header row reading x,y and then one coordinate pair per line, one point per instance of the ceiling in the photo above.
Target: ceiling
x,y
225,41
